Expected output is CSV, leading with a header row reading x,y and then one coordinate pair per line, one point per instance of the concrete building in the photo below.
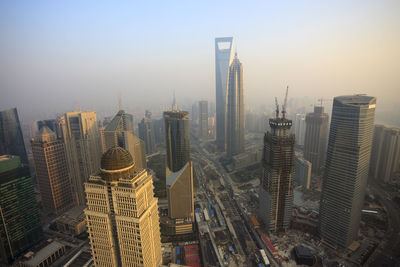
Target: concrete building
x,y
235,110
385,154
302,171
72,222
80,134
122,213
276,191
347,166
11,139
52,171
146,133
119,132
203,119
177,137
20,227
44,257
223,59
316,138
300,129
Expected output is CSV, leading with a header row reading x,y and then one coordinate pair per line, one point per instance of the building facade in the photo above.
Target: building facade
x,y
300,129
11,139
203,119
146,133
177,137
276,191
347,166
20,227
122,213
119,132
223,59
316,138
235,110
51,171
80,134
302,171
385,154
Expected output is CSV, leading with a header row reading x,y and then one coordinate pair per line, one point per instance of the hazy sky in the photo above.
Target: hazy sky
x,y
56,54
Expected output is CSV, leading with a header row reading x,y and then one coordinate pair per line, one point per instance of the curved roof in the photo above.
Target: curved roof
x,y
116,158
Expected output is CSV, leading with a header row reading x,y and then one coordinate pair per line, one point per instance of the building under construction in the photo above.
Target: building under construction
x,y
276,191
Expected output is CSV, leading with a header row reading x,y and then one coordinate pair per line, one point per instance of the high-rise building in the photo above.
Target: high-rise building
x,y
80,134
385,154
223,59
195,114
302,171
316,138
51,171
300,129
11,139
119,132
346,171
203,119
146,132
20,227
122,213
276,192
177,139
235,110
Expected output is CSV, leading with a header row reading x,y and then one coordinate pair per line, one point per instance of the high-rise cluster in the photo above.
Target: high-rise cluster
x,y
347,166
229,98
146,132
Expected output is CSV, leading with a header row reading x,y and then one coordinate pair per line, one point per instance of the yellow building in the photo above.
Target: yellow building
x,y
122,213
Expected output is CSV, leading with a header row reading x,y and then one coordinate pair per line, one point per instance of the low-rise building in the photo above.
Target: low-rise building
x,y
72,221
45,256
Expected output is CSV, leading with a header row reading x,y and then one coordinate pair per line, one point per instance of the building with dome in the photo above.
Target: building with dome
x,y
122,213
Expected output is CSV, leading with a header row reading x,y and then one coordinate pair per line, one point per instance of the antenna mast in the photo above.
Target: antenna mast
x,y
277,107
284,104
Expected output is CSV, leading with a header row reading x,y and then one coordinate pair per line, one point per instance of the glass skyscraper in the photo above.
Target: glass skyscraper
x,y
346,171
11,139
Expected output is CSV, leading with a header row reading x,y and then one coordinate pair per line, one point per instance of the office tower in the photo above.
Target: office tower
x,y
195,114
51,124
11,139
223,59
346,170
82,144
203,119
122,213
177,139
146,132
51,171
300,129
20,226
385,154
235,110
276,192
316,138
302,171
119,132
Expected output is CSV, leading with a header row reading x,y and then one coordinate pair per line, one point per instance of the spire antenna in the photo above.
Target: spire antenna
x,y
174,104
277,107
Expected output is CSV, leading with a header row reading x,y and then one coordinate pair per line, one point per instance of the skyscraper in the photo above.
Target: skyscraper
x,y
347,165
302,171
300,129
122,213
385,154
20,226
316,138
203,119
235,110
51,171
11,139
81,138
146,132
119,132
177,136
223,59
276,192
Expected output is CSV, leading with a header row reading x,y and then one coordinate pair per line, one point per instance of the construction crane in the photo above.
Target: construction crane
x,y
284,104
277,107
